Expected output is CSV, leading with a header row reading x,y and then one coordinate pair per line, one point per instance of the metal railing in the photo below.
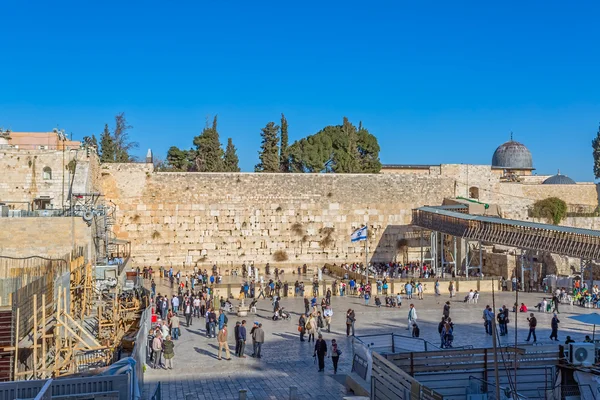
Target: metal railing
x,y
485,387
157,393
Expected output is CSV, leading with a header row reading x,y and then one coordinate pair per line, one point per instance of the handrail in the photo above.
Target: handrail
x,y
508,392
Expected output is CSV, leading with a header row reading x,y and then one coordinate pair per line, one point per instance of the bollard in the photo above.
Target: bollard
x,y
243,394
293,393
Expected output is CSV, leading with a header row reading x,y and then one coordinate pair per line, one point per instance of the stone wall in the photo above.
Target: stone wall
x,y
232,218
43,236
23,177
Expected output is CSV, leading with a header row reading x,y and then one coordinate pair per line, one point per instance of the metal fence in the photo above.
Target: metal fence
x,y
107,387
140,348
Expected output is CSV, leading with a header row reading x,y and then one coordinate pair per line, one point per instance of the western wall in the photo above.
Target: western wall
x,y
181,219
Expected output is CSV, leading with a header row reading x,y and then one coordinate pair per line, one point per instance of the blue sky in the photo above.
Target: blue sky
x,y
436,82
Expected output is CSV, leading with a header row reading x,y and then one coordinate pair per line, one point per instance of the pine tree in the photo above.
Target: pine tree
x,y
107,146
596,153
284,163
178,160
269,149
230,159
209,154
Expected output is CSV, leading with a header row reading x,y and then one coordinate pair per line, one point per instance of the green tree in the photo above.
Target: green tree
x,y
178,160
230,158
269,149
209,154
107,146
284,162
123,145
596,153
341,149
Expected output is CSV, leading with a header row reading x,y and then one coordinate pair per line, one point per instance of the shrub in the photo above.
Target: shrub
x,y
552,209
298,229
327,240
280,255
155,235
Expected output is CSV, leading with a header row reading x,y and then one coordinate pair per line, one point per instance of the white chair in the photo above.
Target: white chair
x,y
253,310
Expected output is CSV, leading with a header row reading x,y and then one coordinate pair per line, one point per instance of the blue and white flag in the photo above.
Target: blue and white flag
x,y
359,234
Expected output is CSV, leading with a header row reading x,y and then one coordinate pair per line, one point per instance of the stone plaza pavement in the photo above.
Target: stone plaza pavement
x,y
286,361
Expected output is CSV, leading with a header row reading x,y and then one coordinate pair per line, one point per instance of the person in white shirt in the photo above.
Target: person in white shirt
x,y
328,314
412,316
175,303
197,307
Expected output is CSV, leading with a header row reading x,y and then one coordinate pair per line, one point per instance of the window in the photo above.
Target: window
x,y
474,192
47,174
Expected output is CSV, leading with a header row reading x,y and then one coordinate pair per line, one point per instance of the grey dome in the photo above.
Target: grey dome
x,y
559,179
512,155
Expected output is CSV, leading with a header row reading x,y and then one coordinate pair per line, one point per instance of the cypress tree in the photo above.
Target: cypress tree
x,y
596,154
284,162
269,149
230,159
107,146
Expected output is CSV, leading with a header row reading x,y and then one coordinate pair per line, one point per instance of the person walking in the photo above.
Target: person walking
x,y
236,336
301,327
187,310
554,325
451,289
412,317
415,331
157,349
222,338
259,337
488,317
328,314
175,327
306,305
532,324
446,311
350,319
441,331
335,355
242,339
556,302
437,287
254,328
311,327
168,352
367,298
320,352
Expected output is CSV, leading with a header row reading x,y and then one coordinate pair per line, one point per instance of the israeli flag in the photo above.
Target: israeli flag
x,y
359,234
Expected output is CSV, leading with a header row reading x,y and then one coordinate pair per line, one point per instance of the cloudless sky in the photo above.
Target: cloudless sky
x,y
435,81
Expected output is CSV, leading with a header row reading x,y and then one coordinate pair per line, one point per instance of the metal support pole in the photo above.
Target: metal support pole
x,y
480,258
421,243
367,260
467,260
442,261
522,268
454,255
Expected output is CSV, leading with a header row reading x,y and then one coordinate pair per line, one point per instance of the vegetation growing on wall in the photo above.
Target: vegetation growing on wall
x,y
327,239
552,209
298,229
280,256
596,154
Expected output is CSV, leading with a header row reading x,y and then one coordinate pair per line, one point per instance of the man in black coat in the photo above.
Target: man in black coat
x,y
320,352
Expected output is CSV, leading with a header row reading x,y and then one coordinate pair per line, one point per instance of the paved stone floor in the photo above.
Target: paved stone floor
x,y
288,362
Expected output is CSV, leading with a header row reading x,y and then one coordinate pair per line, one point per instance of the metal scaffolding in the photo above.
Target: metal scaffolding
x,y
571,242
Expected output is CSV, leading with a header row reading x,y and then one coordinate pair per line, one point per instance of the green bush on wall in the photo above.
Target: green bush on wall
x,y
553,209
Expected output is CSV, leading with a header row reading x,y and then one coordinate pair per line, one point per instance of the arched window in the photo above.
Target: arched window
x,y
47,173
474,192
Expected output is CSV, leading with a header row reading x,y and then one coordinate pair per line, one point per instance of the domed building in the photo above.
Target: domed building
x,y
513,157
559,179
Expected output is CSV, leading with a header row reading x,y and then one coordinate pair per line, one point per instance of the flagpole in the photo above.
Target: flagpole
x,y
367,255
